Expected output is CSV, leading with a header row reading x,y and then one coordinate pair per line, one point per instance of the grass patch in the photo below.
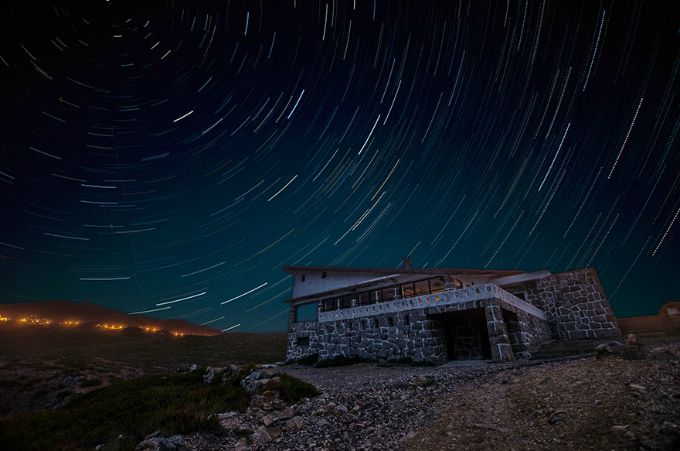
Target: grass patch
x,y
308,360
174,404
292,390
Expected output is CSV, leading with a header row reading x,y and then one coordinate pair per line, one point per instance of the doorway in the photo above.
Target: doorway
x,y
466,335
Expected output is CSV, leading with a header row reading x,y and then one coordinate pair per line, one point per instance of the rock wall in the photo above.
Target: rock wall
x,y
575,305
418,334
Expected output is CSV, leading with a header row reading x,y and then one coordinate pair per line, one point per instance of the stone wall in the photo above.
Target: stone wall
x,y
575,305
419,334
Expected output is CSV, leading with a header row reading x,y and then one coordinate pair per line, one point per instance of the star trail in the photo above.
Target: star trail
x,y
171,157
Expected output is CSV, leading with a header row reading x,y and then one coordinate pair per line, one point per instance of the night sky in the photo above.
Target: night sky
x,y
171,157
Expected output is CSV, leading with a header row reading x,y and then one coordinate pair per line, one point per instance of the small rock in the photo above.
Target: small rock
x,y
294,424
209,375
638,387
288,412
193,367
421,381
261,435
274,432
266,420
619,427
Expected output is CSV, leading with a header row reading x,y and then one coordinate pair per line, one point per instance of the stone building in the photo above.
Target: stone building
x,y
441,314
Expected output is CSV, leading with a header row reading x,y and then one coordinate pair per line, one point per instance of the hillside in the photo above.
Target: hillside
x,y
89,315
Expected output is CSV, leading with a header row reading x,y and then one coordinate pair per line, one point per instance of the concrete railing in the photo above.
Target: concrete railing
x,y
478,292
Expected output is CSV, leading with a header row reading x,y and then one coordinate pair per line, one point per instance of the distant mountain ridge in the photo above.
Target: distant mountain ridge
x,y
89,314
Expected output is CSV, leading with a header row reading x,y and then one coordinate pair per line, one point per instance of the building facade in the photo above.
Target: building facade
x,y
443,314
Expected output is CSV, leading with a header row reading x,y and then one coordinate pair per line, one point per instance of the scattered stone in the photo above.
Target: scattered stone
x,y
171,443
209,375
613,347
193,367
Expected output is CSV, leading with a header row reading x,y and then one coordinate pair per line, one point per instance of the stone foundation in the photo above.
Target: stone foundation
x,y
418,334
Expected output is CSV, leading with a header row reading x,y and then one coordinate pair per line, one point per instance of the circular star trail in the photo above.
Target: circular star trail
x,y
171,158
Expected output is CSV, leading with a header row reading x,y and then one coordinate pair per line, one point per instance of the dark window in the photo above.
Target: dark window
x,y
302,278
376,323
328,305
346,301
407,320
302,341
364,298
376,296
387,294
422,287
390,321
437,285
408,290
457,283
324,275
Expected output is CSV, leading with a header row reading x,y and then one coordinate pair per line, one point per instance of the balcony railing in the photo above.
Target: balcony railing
x,y
478,292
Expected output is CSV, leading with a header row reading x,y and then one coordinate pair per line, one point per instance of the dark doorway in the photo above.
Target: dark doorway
x,y
467,337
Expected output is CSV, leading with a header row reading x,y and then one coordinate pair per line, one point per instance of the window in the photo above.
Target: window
x,y
365,298
390,321
376,296
387,294
436,285
457,283
346,301
376,323
407,320
302,278
302,341
324,275
328,305
422,287
408,290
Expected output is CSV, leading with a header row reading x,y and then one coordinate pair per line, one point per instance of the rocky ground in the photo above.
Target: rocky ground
x,y
621,397
620,400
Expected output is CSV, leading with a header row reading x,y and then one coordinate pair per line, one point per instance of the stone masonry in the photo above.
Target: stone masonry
x,y
572,305
416,334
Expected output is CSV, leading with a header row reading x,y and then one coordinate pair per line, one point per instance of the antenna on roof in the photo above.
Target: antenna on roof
x,y
406,263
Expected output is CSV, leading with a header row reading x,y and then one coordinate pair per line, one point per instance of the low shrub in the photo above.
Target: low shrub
x,y
134,408
292,389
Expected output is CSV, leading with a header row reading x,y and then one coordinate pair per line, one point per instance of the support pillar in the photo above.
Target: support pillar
x,y
501,351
